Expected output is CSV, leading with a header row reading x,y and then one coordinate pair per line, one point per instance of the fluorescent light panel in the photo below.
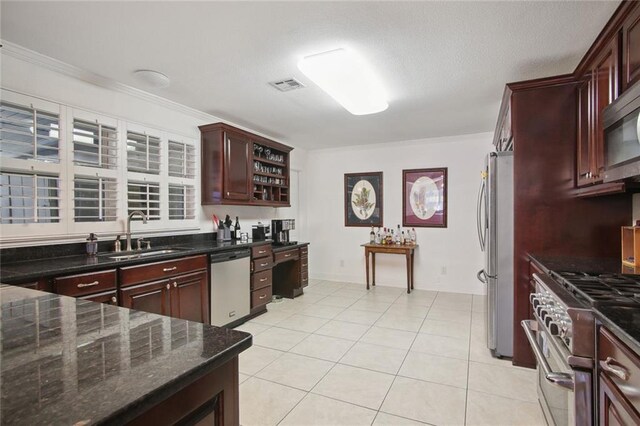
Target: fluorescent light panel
x,y
347,79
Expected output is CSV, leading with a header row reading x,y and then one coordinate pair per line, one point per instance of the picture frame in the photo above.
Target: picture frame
x,y
424,198
363,199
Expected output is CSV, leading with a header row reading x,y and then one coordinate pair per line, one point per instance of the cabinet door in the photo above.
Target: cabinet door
x,y
614,408
605,91
585,134
189,297
631,48
151,297
237,165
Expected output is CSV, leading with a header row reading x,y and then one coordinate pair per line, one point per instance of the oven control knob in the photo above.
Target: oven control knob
x,y
555,328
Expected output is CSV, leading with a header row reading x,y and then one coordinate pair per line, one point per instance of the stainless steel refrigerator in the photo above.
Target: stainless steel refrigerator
x,y
495,232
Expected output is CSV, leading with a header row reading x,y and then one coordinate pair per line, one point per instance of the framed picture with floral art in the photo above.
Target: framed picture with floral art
x,y
424,198
363,199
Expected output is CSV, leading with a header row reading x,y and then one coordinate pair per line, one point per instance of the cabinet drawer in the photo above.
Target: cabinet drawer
x,y
261,279
304,278
154,271
304,251
620,359
304,265
261,251
262,264
287,255
83,284
260,297
109,297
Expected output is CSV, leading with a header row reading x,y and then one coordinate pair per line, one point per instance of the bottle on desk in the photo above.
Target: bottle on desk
x,y
372,236
377,239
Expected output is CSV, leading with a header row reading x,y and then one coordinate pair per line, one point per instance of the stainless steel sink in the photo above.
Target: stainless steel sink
x,y
143,254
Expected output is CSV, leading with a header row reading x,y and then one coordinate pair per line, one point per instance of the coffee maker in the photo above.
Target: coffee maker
x,y
280,231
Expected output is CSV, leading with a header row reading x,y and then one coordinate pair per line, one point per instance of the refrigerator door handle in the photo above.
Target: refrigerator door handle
x,y
482,276
479,221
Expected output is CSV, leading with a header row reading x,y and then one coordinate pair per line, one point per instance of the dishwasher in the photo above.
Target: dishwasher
x,y
230,286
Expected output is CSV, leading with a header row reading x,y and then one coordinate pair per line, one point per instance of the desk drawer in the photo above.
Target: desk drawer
x,y
156,271
261,251
304,251
260,297
304,278
83,284
261,279
287,255
261,264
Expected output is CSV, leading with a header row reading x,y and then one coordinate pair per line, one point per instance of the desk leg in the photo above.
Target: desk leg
x,y
373,268
411,269
408,256
366,257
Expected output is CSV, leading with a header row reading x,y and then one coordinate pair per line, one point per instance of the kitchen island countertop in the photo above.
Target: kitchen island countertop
x,y
69,361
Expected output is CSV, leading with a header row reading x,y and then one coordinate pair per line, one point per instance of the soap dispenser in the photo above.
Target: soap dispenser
x,y
92,245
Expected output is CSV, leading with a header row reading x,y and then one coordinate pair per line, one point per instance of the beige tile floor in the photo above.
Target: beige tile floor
x,y
342,355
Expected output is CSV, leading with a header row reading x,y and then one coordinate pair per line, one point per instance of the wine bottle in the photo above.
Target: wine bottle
x,y
403,240
377,241
372,236
237,229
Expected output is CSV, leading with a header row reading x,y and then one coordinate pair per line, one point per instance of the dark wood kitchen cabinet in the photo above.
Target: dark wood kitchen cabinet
x,y
599,87
178,288
241,168
618,381
94,286
631,48
261,277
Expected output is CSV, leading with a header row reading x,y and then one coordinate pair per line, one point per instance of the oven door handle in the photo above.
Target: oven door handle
x,y
563,380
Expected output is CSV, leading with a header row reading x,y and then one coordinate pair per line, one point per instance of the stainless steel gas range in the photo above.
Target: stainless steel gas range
x,y
562,337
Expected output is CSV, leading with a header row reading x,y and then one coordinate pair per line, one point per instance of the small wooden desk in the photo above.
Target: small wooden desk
x,y
407,250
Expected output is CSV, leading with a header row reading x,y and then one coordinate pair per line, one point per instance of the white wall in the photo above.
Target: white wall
x,y
446,259
29,73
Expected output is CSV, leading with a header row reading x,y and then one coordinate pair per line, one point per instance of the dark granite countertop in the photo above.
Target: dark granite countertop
x,y
69,361
15,272
577,264
622,321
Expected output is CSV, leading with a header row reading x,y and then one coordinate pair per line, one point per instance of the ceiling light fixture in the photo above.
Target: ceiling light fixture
x,y
347,79
152,78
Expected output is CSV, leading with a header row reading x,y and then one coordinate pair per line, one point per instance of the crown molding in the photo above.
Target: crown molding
x,y
47,62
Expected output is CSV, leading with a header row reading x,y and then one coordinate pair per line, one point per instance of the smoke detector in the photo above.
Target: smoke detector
x,y
152,78
287,84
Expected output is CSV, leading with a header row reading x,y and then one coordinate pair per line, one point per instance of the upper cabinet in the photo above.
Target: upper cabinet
x,y
631,48
598,89
241,168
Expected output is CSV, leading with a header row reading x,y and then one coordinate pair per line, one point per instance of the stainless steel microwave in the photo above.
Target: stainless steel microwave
x,y
621,124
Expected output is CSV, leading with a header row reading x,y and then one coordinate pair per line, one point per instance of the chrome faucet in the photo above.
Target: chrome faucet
x,y
128,233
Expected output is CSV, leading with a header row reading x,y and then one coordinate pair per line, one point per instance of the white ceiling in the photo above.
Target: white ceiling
x,y
444,64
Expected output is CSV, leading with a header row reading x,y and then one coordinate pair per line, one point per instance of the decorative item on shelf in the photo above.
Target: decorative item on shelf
x,y
424,197
630,240
363,199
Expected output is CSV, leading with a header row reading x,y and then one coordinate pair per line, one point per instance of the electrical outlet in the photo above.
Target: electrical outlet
x,y
443,270
341,263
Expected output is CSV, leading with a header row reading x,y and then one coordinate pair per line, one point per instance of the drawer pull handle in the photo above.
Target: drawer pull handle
x,y
114,300
617,370
263,279
264,264
287,255
262,297
305,279
304,265
304,252
262,251
82,285
169,269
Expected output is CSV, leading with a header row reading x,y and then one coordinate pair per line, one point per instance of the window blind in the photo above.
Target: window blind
x,y
95,144
182,161
29,134
29,198
143,153
144,196
94,199
181,202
